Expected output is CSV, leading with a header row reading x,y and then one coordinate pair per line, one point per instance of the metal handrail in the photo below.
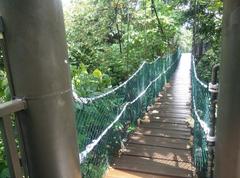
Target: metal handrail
x,y
12,107
9,140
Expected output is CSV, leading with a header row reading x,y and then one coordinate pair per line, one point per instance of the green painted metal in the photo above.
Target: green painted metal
x,y
204,103
201,115
213,88
105,121
37,56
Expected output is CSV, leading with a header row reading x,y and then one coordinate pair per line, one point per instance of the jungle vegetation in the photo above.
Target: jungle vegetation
x,y
108,40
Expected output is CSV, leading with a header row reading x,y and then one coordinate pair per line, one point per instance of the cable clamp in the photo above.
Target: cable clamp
x,y
213,88
211,138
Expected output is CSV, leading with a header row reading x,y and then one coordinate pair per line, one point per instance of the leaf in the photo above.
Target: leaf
x,y
83,68
97,73
5,173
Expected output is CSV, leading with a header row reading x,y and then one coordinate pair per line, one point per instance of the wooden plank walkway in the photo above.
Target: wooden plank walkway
x,y
161,145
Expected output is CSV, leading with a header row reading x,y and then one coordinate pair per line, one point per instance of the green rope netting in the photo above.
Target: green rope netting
x,y
201,115
104,122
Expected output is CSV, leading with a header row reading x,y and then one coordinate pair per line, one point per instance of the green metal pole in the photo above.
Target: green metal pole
x,y
228,123
37,53
213,88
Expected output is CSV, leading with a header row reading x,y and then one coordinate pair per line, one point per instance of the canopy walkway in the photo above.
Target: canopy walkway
x,y
104,122
143,128
161,145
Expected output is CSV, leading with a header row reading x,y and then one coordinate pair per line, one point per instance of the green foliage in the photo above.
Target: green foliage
x,y
206,63
4,88
115,37
107,41
3,163
4,96
89,83
185,40
206,18
126,103
5,172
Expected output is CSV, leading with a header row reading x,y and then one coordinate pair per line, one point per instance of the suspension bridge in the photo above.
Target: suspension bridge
x,y
145,125
161,145
157,124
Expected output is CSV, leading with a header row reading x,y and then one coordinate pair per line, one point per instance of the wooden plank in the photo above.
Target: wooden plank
x,y
165,128
185,82
170,121
174,136
158,153
180,94
160,141
154,166
187,88
169,96
171,117
115,173
175,90
180,88
180,85
177,93
170,110
172,106
159,105
174,103
174,95
166,104
167,125
176,115
174,100
162,133
172,114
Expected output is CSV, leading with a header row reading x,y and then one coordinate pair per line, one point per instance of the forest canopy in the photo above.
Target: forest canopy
x,y
108,40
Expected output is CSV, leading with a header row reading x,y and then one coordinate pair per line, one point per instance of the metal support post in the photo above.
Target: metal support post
x,y
211,137
36,49
228,131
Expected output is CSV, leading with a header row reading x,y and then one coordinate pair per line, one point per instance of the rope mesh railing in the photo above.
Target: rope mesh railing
x,y
104,122
201,115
